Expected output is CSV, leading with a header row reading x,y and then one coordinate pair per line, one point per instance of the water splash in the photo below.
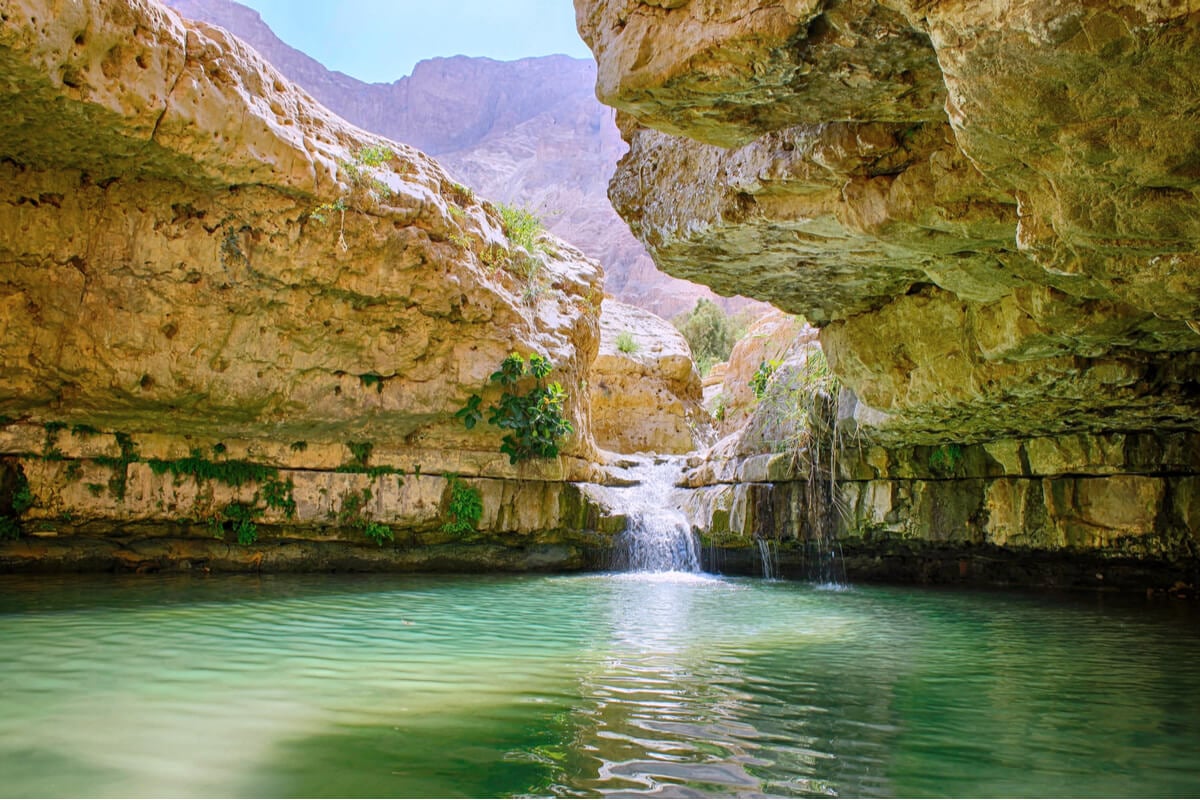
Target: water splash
x,y
658,537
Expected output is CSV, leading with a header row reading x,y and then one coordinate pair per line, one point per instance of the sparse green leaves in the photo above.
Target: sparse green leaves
x,y
520,226
762,377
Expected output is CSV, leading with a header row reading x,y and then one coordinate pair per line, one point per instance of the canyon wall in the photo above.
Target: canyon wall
x,y
528,132
227,313
990,211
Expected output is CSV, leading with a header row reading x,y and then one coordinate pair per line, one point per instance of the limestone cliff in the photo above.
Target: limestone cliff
x,y
528,132
646,394
202,266
991,211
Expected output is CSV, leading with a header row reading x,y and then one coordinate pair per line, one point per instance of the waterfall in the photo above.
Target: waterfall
x,y
658,536
767,557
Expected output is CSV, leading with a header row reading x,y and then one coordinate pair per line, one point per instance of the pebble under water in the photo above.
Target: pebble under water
x,y
671,685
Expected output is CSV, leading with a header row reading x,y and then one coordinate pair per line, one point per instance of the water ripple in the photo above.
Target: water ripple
x,y
674,686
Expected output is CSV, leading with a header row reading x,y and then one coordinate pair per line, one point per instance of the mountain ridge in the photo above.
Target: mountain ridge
x,y
528,132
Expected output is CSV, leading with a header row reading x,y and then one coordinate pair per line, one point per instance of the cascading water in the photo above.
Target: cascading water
x,y
658,537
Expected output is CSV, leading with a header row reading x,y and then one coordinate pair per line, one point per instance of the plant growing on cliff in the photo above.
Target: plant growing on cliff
x,y
533,417
465,508
626,343
364,187
762,377
944,459
520,226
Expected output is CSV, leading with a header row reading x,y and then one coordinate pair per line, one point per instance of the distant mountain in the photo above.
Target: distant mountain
x,y
529,132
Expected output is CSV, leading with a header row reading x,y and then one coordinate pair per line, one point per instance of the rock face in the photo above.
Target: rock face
x,y
171,296
646,394
992,212
528,132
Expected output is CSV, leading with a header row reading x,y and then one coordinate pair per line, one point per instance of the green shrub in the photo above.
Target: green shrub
x,y
534,418
369,379
626,343
230,473
9,528
466,507
710,333
520,226
278,494
242,517
360,452
84,430
22,496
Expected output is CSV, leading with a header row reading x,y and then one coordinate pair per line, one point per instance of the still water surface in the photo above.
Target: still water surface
x,y
677,685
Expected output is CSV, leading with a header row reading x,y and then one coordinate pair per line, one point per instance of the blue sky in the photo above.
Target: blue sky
x,y
380,40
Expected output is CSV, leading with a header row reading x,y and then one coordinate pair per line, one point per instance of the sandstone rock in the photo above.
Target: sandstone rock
x,y
771,338
646,397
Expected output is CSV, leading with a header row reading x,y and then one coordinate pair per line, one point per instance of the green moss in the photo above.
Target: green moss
x,y
299,447
231,473
95,489
84,431
360,452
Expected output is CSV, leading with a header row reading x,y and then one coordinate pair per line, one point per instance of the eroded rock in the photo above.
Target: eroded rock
x,y
990,210
646,393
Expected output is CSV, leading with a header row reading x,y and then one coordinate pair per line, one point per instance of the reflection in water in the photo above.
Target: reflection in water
x,y
668,685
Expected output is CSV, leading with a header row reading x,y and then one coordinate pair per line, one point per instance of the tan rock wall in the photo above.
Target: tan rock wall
x,y
168,287
990,209
648,398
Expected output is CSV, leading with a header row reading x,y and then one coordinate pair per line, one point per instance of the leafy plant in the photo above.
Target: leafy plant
x,y
22,496
50,450
279,495
84,430
9,528
299,447
230,473
533,418
520,226
762,377
465,509
370,379
626,343
377,532
360,452
94,488
242,518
